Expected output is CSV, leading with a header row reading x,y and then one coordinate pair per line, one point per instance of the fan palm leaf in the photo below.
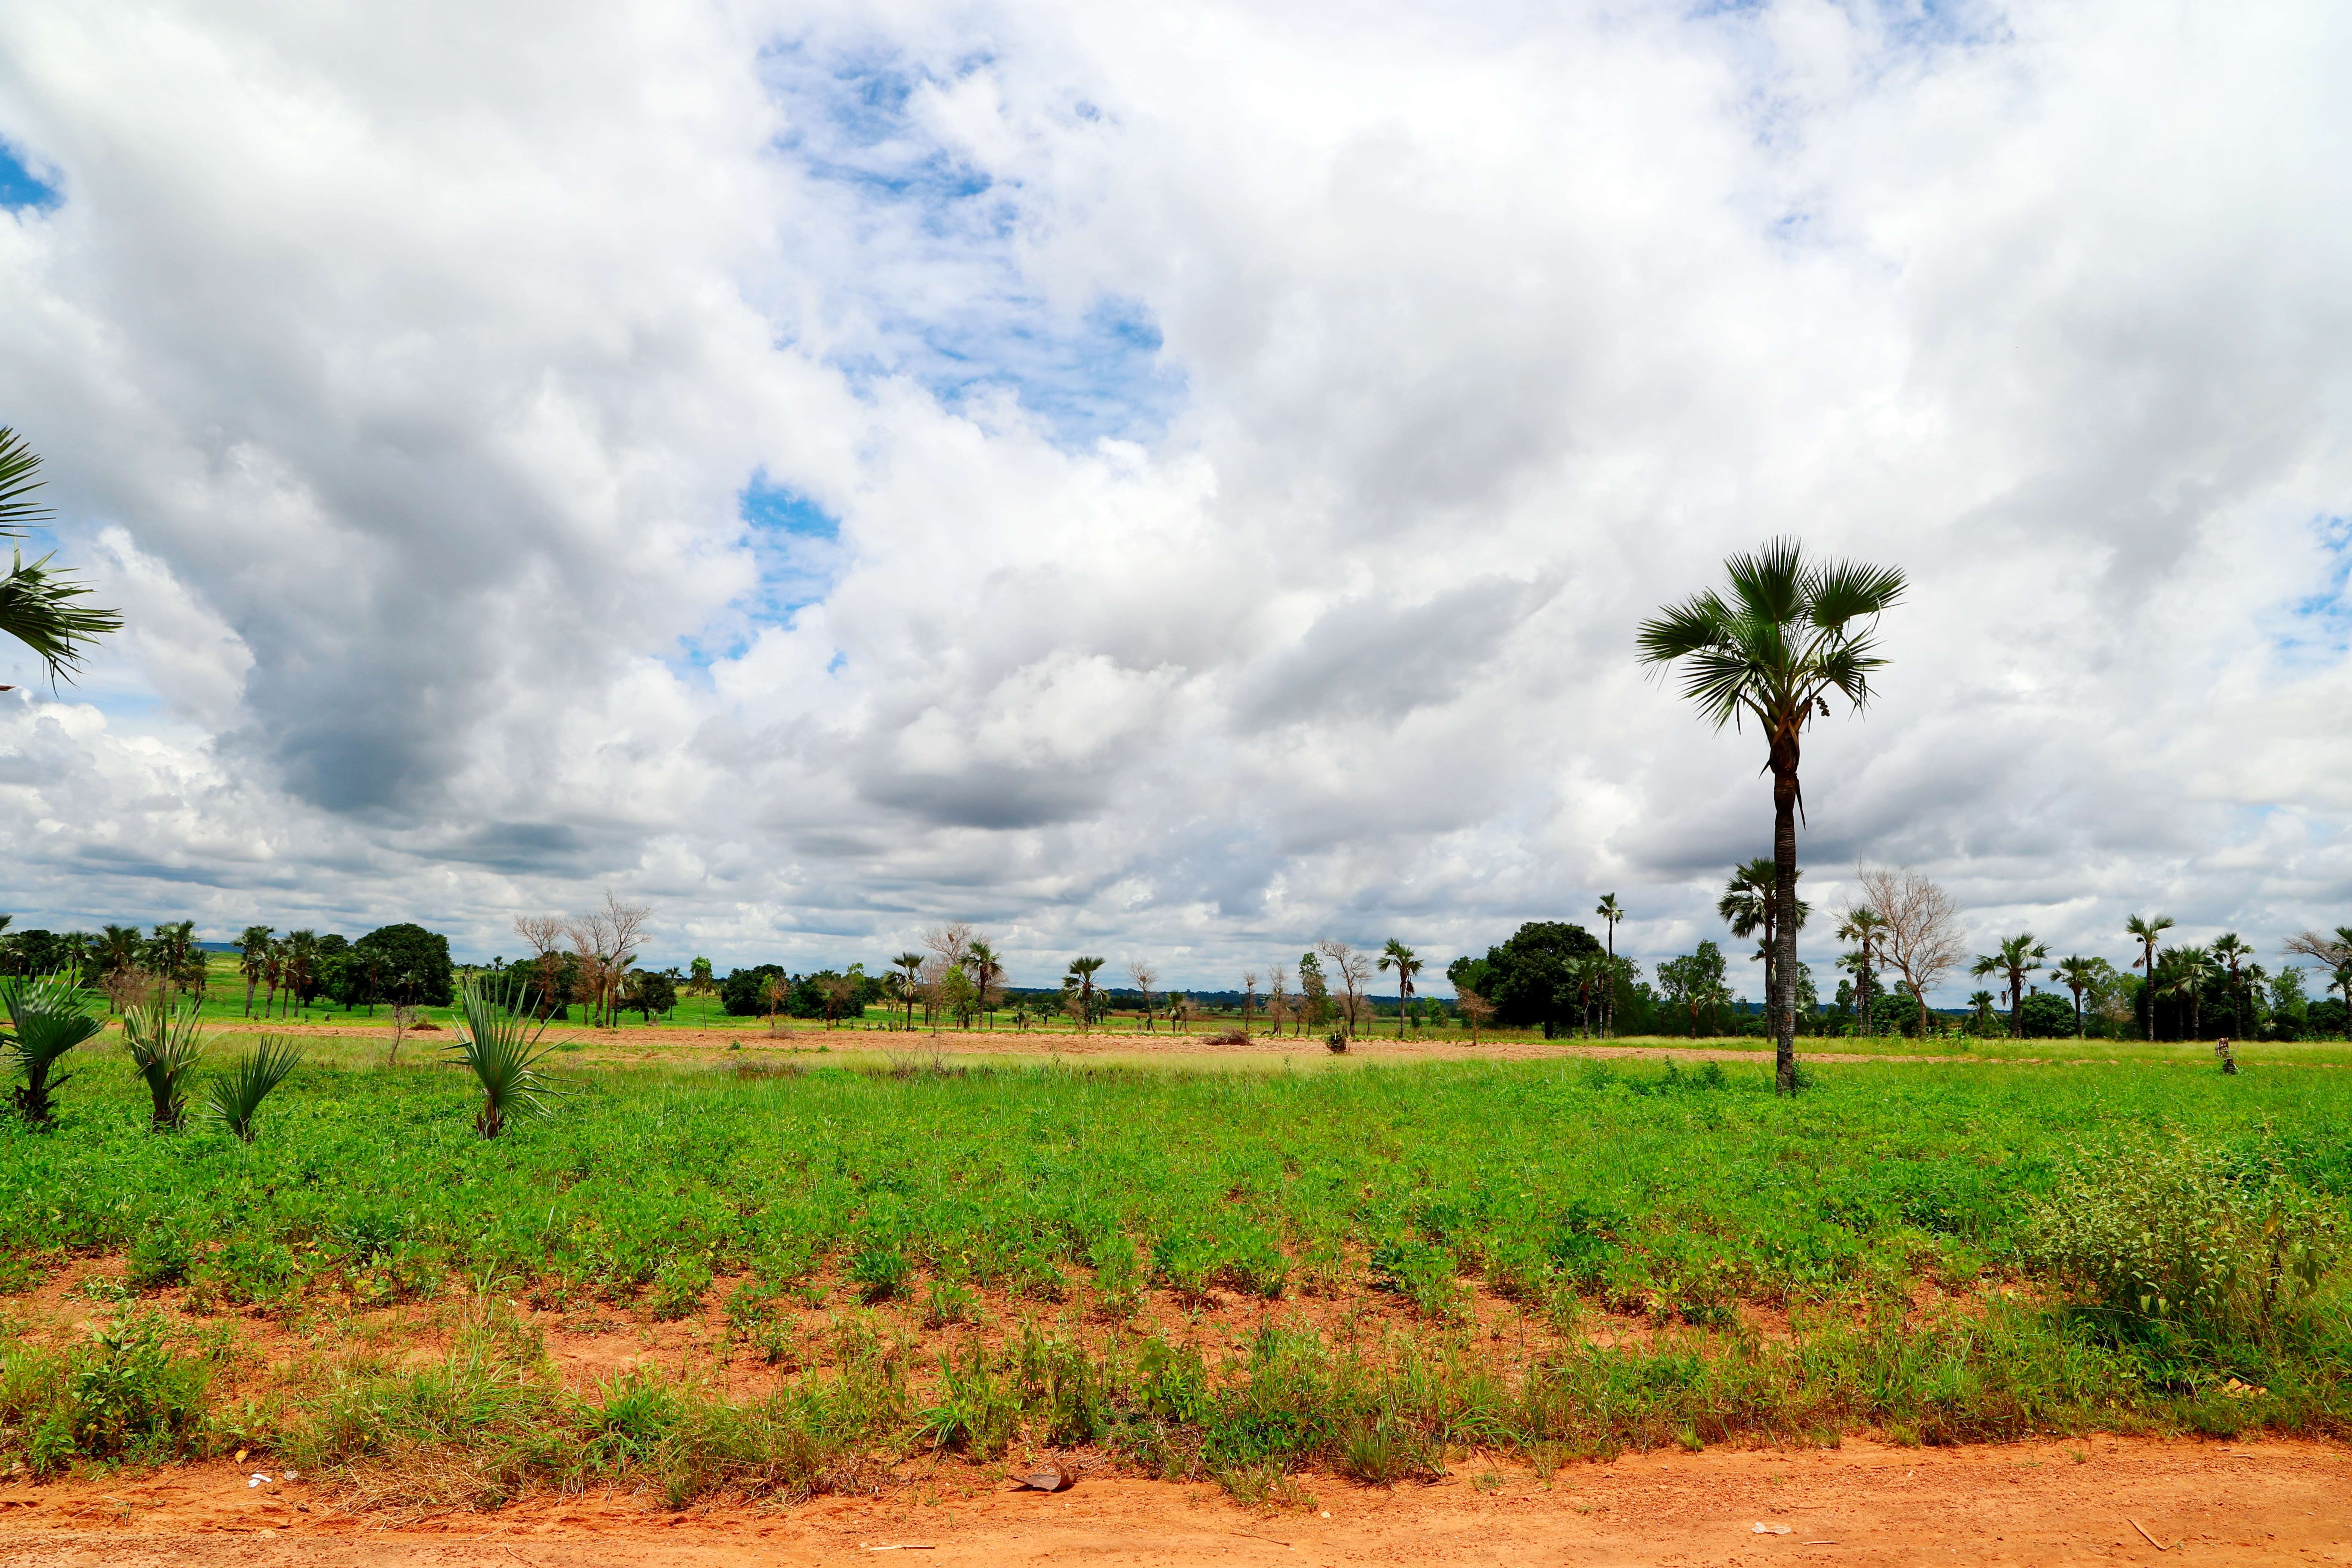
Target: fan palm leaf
x,y
502,1046
234,1097
37,602
47,1018
164,1046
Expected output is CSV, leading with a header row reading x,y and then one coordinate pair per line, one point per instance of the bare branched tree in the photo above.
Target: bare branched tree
x,y
1475,1009
1278,996
544,935
1145,977
1249,997
1353,971
1922,936
948,943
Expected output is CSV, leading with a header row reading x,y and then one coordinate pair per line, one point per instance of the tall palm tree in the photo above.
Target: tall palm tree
x,y
1865,928
986,971
2078,975
1748,905
2016,958
1611,913
37,603
912,963
2146,933
2230,952
1789,633
1082,975
1399,957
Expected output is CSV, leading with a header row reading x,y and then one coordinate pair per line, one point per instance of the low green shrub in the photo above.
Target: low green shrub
x,y
2172,1232
124,1393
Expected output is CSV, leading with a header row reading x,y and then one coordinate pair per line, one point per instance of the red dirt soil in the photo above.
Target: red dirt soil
x,y
2243,1503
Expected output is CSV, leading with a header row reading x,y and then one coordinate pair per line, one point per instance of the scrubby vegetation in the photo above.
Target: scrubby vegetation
x,y
1223,1275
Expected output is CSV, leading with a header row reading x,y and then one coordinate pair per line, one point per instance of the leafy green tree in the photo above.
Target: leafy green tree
x,y
1400,958
2045,1017
744,993
1789,633
647,992
2017,957
2290,1005
698,980
39,606
1533,978
416,972
1314,989
1693,983
1981,1004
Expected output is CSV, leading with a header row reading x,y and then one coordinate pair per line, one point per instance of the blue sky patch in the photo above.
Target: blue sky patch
x,y
2320,630
20,187
782,510
935,261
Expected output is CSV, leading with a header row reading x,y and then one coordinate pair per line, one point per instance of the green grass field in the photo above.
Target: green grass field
x,y
1231,1274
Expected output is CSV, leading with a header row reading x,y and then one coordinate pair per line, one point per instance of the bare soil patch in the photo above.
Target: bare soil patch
x,y
1863,1503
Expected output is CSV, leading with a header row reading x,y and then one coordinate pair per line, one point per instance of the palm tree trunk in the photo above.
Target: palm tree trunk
x,y
1782,999
1608,1007
2017,1003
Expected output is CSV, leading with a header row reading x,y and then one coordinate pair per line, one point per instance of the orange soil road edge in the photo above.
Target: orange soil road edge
x,y
2262,1501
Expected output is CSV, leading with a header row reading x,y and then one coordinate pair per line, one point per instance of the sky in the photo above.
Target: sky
x,y
1170,481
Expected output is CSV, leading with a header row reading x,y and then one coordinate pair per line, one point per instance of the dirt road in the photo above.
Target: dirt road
x,y
2243,1503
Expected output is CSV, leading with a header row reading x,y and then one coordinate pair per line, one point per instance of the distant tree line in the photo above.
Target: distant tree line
x,y
401,964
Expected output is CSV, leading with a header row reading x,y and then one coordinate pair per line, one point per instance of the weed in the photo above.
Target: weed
x,y
678,1287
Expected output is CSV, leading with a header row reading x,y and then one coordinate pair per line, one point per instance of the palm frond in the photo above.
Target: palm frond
x,y
47,1018
234,1097
37,608
1847,664
501,1046
1701,622
18,463
1840,591
1770,584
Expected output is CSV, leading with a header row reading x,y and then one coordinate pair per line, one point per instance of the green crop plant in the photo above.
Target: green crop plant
x,y
501,1046
166,1046
47,1018
234,1099
1473,1237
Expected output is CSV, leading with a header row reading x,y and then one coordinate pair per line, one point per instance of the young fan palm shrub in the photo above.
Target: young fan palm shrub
x,y
234,1097
500,1046
166,1046
46,1020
